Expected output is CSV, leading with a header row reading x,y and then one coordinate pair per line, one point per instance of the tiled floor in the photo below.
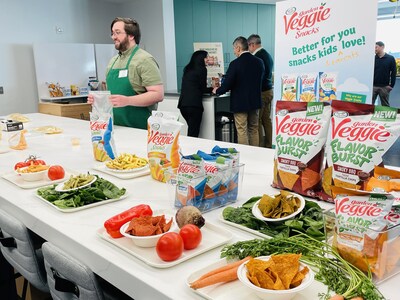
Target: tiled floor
x,y
392,156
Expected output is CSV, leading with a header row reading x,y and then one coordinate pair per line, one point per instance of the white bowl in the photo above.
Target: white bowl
x,y
146,241
258,214
32,176
274,294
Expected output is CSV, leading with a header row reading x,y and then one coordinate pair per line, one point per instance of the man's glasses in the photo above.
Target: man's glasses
x,y
117,33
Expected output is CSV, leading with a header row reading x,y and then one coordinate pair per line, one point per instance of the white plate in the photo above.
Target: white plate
x,y
122,175
255,232
59,187
258,214
236,290
74,209
213,236
17,180
128,170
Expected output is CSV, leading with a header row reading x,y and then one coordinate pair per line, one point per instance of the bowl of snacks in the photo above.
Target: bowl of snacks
x,y
33,172
278,207
144,231
291,276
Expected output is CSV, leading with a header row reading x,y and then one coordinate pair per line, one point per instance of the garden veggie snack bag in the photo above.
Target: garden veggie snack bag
x,y
301,130
289,87
327,86
308,87
163,146
102,127
360,134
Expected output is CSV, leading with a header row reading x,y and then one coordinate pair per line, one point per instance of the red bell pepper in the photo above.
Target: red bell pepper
x,y
113,224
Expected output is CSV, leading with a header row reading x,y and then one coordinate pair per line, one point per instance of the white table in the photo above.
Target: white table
x,y
76,232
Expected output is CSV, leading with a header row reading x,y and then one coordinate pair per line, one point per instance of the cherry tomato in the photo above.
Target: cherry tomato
x,y
169,246
32,160
191,236
20,164
56,172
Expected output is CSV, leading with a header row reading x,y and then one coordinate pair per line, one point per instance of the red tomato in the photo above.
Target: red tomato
x,y
20,164
56,172
32,160
191,236
169,246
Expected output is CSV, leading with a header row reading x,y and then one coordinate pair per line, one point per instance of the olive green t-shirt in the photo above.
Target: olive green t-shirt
x,y
142,71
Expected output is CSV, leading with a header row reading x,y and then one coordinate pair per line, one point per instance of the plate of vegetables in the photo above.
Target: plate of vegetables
x,y
76,182
100,192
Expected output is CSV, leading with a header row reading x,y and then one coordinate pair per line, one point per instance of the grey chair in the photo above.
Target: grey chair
x,y
22,249
70,279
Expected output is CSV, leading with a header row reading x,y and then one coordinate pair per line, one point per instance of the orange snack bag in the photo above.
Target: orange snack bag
x,y
163,146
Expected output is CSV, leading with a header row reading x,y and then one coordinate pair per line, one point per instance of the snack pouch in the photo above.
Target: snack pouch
x,y
301,130
308,87
327,86
218,174
163,147
169,115
359,136
191,181
101,127
234,155
360,228
289,87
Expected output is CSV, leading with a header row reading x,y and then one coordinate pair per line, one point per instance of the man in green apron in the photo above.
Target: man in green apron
x,y
132,77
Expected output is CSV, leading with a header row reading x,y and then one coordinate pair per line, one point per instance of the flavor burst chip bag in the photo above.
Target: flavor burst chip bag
x,y
101,126
163,146
301,130
359,136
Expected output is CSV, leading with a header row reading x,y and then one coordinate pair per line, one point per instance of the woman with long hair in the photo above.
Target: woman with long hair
x,y
194,85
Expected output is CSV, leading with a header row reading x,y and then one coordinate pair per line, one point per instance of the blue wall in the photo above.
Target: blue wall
x,y
208,21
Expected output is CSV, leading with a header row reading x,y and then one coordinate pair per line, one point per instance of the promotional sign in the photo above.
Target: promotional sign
x,y
325,50
215,61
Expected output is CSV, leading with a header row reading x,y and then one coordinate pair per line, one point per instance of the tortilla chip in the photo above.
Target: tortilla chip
x,y
327,181
208,192
288,179
275,171
344,184
309,178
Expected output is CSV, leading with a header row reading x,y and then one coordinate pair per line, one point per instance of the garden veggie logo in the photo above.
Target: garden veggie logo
x,y
304,21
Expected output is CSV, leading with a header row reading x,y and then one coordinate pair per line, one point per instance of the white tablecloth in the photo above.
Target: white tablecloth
x,y
76,232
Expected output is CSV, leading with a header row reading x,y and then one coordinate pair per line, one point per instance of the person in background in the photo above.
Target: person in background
x,y
384,74
194,85
243,78
267,93
133,77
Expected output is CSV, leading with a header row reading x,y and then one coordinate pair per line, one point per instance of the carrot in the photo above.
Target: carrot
x,y
337,297
224,268
224,276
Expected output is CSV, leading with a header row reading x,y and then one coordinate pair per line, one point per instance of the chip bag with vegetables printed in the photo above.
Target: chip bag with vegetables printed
x,y
359,136
361,228
101,127
308,87
163,146
301,130
289,87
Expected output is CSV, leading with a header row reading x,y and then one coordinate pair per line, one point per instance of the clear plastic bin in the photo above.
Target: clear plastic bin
x,y
190,192
380,253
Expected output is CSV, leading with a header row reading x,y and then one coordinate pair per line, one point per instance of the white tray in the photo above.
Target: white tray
x,y
17,180
255,232
75,209
213,236
122,175
236,290
4,149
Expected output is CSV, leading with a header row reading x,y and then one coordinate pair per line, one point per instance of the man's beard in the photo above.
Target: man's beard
x,y
123,45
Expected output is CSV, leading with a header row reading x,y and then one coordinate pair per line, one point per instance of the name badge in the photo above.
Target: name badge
x,y
123,73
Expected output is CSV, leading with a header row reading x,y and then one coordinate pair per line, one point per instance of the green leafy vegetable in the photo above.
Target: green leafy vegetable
x,y
309,221
100,190
331,269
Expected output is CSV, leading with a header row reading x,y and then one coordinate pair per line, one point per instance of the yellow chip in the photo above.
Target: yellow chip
x,y
344,184
288,179
327,181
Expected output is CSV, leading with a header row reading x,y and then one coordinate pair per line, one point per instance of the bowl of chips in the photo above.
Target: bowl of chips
x,y
144,231
278,207
33,172
278,277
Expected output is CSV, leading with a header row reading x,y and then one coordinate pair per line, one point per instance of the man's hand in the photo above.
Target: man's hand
x,y
119,100
90,99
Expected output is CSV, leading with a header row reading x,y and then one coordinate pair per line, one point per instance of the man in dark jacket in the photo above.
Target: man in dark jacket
x,y
267,93
384,74
243,78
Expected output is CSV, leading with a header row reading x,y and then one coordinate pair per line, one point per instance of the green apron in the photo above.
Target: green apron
x,y
130,116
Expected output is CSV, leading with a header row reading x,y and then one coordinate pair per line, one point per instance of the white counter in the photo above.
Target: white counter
x,y
76,232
